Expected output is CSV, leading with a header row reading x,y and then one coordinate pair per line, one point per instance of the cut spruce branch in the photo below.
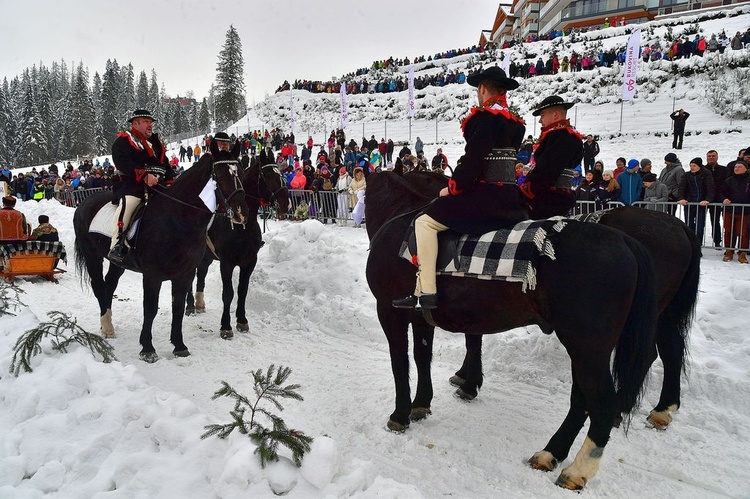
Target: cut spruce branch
x,y
63,331
268,387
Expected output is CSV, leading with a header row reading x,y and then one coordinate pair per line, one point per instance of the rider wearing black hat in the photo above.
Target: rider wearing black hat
x,y
548,186
141,162
482,194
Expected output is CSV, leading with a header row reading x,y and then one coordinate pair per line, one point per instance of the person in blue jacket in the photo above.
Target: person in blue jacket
x,y
631,183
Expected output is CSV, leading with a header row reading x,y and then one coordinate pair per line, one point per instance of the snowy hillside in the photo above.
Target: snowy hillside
x,y
686,83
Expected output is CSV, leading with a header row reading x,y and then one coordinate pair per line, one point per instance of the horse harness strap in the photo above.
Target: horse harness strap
x,y
500,165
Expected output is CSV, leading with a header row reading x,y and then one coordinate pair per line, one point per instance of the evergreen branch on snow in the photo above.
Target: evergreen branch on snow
x,y
268,387
63,331
10,299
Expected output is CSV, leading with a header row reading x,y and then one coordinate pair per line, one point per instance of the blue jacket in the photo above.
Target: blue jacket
x,y
631,186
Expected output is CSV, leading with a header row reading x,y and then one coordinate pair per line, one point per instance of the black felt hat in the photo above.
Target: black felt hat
x,y
141,113
222,137
552,101
495,74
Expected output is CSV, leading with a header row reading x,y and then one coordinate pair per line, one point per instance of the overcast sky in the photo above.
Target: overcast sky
x,y
281,39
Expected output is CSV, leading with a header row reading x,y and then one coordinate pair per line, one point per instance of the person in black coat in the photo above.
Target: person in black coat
x,y
679,117
735,190
696,186
548,186
141,162
590,152
481,195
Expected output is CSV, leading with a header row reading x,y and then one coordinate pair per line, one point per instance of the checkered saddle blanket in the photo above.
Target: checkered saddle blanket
x,y
508,254
50,248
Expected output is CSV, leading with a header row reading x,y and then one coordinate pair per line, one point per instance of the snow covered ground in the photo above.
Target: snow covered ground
x,y
78,428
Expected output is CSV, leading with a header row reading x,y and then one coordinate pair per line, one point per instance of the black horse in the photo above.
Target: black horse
x,y
676,254
237,246
170,243
625,320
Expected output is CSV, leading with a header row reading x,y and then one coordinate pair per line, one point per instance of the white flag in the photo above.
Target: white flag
x,y
293,117
344,111
208,195
631,65
411,93
506,64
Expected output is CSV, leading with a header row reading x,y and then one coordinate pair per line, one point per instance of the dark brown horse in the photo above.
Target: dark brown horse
x,y
625,321
238,246
170,243
676,254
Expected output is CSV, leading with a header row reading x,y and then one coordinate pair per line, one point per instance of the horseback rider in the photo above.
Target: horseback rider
x,y
223,141
548,186
482,194
141,162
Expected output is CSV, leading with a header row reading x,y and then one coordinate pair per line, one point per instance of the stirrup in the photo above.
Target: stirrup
x,y
407,302
117,254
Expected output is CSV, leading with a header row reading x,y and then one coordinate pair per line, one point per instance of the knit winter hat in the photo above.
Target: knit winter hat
x,y
633,163
342,170
671,157
608,172
644,162
649,177
697,161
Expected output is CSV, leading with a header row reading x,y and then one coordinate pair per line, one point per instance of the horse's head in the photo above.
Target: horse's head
x,y
273,188
228,176
267,184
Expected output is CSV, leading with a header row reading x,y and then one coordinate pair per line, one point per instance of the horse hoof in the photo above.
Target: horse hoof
x,y
148,357
543,461
200,310
456,380
397,427
659,420
464,395
189,311
567,482
419,413
108,335
226,334
181,353
243,326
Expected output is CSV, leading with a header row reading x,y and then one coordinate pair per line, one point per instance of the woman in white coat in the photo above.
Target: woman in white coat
x,y
342,187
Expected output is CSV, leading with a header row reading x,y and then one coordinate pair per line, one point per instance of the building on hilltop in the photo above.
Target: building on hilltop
x,y
528,19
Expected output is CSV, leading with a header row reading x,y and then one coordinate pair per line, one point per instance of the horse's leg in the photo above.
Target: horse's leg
x,y
227,295
594,378
242,285
558,447
469,378
423,339
151,288
180,288
671,346
200,285
110,285
395,325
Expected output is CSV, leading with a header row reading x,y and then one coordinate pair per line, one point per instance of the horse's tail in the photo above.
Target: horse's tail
x,y
80,257
636,344
678,315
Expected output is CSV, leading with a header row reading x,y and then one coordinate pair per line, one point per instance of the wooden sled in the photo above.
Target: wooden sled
x,y
22,264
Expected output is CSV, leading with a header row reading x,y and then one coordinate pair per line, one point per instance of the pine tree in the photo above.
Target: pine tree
x,y
230,80
126,99
141,93
204,118
80,113
3,122
110,121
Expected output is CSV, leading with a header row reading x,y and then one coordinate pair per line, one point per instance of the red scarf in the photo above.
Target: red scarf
x,y
144,143
496,105
557,125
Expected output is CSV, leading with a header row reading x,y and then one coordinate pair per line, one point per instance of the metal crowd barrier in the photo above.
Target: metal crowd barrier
x,y
323,205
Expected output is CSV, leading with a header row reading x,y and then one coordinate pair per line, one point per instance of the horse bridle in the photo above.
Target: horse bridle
x,y
233,166
262,178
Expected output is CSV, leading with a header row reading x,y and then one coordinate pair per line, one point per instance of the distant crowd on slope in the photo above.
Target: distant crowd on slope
x,y
678,49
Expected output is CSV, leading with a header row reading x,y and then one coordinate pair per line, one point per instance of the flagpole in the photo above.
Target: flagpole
x,y
622,103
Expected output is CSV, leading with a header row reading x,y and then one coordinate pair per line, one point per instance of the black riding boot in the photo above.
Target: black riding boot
x,y
425,301
118,252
